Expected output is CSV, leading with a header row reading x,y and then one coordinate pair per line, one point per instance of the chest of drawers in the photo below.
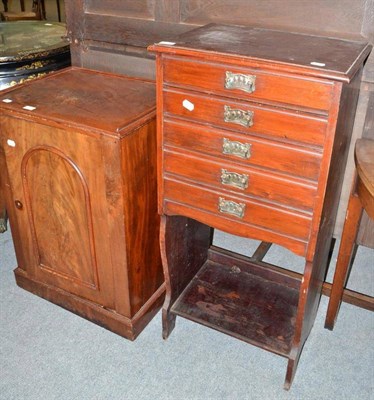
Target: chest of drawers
x,y
80,153
253,131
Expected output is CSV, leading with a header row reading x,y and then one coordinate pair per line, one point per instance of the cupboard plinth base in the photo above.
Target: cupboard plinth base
x,y
128,328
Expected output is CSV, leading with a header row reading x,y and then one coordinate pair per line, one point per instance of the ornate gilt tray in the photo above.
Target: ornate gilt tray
x,y
31,49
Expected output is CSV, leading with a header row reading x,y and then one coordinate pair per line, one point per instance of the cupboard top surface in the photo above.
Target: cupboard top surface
x,y
83,98
311,55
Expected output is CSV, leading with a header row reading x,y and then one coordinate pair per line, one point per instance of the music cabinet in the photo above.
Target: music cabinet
x,y
80,151
253,131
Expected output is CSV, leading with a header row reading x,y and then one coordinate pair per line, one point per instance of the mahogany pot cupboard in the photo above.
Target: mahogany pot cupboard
x,y
253,131
81,194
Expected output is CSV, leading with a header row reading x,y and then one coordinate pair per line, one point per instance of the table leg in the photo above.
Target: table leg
x,y
348,240
43,13
58,10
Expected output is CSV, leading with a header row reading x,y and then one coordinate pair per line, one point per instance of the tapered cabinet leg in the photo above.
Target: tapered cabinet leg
x,y
184,247
168,322
348,239
291,370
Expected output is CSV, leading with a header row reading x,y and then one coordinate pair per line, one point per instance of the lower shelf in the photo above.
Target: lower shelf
x,y
238,297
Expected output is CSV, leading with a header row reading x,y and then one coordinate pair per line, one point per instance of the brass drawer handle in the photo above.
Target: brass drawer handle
x,y
230,207
246,83
234,179
241,150
236,116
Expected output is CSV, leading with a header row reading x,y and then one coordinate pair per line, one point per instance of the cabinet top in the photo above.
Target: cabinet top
x,y
86,99
310,55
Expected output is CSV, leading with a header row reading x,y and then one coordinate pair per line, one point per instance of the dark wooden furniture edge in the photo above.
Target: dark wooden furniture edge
x,y
3,212
351,297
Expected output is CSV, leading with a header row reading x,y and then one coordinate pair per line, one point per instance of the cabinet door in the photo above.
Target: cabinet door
x,y
58,188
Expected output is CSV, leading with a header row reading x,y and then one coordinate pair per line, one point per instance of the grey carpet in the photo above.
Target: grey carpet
x,y
49,353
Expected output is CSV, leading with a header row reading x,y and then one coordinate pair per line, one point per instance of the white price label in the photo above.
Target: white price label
x,y
188,105
29,108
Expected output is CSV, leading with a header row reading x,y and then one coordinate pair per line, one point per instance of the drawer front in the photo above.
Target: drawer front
x,y
226,176
246,117
238,209
228,80
243,149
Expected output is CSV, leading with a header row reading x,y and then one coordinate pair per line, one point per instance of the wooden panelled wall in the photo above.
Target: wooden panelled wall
x,y
112,35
